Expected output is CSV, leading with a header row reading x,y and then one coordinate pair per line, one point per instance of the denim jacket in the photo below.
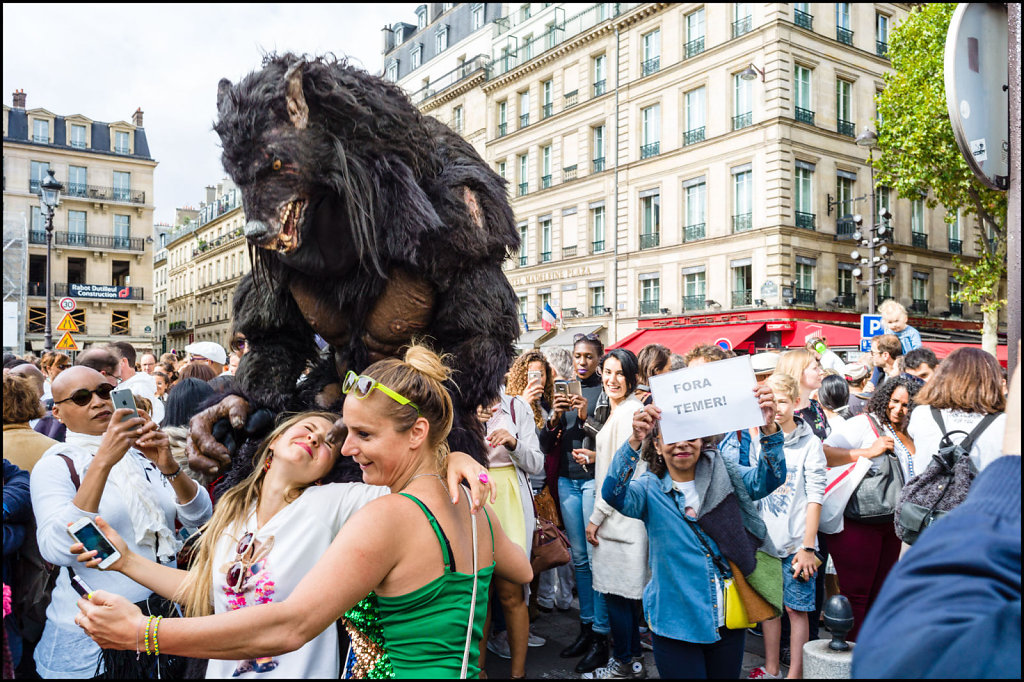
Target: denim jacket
x,y
680,600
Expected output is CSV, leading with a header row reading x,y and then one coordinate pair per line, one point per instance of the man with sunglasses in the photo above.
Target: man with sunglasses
x,y
120,467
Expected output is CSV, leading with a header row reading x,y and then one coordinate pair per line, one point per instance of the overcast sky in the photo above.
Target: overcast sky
x,y
104,61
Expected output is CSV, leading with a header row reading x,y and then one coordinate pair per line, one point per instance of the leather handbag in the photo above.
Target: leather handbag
x,y
550,545
877,497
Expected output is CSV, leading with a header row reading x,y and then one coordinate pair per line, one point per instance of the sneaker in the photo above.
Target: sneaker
x,y
498,644
647,641
759,673
535,639
639,670
755,631
784,655
614,670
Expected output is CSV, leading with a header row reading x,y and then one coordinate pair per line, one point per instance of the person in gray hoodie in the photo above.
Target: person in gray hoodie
x,y
791,514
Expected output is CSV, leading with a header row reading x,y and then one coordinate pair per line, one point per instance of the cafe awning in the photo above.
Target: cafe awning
x,y
531,339
681,339
564,338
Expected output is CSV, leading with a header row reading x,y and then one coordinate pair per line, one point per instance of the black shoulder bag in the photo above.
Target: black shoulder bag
x,y
877,497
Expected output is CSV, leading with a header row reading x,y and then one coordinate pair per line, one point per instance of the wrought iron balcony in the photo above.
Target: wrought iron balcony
x,y
693,136
649,150
88,241
919,239
956,308
692,233
881,48
742,120
598,164
741,223
844,35
524,120
545,181
77,144
599,87
919,306
694,47
545,256
569,173
804,115
41,139
122,150
741,298
597,246
803,19
741,26
502,129
36,288
524,188
846,128
547,110
176,326
650,66
847,300
805,220
805,296
845,227
650,240
522,261
571,99
568,252
650,307
956,246
596,310
74,190
694,302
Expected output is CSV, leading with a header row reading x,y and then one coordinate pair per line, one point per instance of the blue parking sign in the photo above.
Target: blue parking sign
x,y
865,345
871,325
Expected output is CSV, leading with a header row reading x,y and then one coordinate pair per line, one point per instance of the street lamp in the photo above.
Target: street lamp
x,y
49,199
751,73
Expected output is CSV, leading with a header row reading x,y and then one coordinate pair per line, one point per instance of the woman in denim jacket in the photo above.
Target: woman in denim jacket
x,y
689,482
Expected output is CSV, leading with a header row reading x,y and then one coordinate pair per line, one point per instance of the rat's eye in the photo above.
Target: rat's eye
x,y
277,164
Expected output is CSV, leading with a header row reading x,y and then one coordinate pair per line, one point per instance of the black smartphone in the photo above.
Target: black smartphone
x,y
80,586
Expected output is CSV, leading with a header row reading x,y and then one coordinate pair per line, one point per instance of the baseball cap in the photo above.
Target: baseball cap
x,y
764,363
209,350
854,371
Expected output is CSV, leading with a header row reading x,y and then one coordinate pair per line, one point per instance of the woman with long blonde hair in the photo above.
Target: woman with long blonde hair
x,y
803,365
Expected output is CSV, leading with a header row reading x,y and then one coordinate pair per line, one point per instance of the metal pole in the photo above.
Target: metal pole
x,y
1013,199
873,269
47,333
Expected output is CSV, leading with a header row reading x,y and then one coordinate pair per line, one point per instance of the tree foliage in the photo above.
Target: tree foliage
x,y
919,151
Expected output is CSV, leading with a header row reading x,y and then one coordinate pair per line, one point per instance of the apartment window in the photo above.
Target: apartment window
x,y
597,299
694,288
524,171
742,115
38,171
881,35
804,198
953,291
441,39
545,166
78,136
919,289
421,18
393,70
695,33
77,182
37,222
545,240
120,323
600,64
597,221
122,186
742,279
502,118
650,118
696,108
502,170
843,32
804,111
650,294
478,16
457,119
882,204
805,291
524,12
122,230
846,285
523,303
543,300
76,271
650,219
417,57
742,198
651,43
802,15
76,228
696,209
844,107
953,232
524,232
40,131
917,216
547,89
598,138
121,143
524,108
527,47
743,21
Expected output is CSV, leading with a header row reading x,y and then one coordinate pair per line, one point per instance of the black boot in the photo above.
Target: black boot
x,y
582,643
596,656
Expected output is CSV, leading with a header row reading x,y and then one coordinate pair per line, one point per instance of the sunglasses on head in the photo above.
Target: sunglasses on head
x,y
585,337
362,385
83,396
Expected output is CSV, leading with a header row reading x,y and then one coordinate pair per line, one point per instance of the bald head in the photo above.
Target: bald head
x,y
74,378
30,371
101,360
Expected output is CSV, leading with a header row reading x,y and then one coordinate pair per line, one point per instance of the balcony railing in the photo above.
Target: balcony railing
x,y
742,121
545,181
650,66
502,129
599,87
569,173
847,300
741,298
956,308
597,246
598,164
649,150
568,252
36,288
919,306
694,302
845,227
95,192
571,99
522,261
524,188
545,256
741,26
547,110
596,310
844,35
804,115
134,293
649,240
846,128
881,48
177,326
803,19
88,241
524,120
805,296
41,139
694,47
805,220
692,233
919,239
956,246
122,150
693,136
651,307
741,223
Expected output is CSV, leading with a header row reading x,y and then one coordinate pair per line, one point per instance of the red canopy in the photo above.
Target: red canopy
x,y
682,339
943,348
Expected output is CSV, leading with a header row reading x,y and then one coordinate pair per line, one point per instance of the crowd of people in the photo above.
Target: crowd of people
x,y
425,565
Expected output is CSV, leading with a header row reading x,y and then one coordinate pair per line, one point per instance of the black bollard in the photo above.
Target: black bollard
x,y
838,617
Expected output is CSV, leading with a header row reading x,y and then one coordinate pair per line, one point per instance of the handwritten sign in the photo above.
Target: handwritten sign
x,y
712,398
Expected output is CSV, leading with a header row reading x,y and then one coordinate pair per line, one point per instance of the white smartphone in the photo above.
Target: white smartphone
x,y
532,376
88,533
575,388
123,399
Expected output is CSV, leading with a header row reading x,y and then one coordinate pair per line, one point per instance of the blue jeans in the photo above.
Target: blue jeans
x,y
624,618
576,498
719,660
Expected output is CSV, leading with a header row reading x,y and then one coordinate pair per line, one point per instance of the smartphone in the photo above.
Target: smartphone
x,y
123,399
532,376
88,533
575,388
643,387
80,586
562,387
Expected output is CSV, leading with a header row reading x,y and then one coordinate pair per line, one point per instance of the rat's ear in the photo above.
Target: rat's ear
x,y
223,88
298,111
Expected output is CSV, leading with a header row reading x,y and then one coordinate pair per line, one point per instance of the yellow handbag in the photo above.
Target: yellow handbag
x,y
735,611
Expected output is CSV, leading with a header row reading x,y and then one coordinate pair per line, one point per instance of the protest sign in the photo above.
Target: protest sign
x,y
715,397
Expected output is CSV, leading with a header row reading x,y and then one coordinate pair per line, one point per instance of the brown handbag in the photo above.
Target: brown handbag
x,y
550,545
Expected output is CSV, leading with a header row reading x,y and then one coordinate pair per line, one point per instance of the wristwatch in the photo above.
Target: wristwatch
x,y
807,549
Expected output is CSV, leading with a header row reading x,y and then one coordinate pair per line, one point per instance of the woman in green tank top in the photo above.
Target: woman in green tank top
x,y
421,558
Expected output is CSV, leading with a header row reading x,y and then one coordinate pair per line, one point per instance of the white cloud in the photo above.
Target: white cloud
x,y
104,61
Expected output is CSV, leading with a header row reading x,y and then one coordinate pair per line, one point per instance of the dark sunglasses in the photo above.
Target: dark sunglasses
x,y
585,337
245,558
83,396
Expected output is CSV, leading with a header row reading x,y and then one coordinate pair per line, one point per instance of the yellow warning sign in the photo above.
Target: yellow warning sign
x,y
67,324
67,342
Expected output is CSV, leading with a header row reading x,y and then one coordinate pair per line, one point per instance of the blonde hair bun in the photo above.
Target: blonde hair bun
x,y
428,363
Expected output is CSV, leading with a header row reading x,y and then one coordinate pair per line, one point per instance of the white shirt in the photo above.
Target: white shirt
x,y
857,433
926,434
300,534
688,490
144,385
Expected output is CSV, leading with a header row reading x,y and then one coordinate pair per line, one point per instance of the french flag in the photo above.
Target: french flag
x,y
548,319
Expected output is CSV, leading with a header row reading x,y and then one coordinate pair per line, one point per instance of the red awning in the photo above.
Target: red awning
x,y
682,339
943,348
835,335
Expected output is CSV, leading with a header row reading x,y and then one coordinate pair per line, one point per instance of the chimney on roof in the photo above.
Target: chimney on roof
x,y
389,39
19,99
137,118
211,194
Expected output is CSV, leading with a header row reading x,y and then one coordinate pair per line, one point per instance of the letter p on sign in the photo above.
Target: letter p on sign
x,y
871,325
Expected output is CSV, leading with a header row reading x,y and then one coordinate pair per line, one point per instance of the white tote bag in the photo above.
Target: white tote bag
x,y
840,482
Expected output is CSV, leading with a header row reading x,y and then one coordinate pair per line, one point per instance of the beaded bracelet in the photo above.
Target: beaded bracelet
x,y
156,645
145,639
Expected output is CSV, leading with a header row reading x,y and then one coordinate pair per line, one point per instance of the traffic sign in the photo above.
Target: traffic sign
x,y
67,342
67,304
865,345
68,324
724,344
871,325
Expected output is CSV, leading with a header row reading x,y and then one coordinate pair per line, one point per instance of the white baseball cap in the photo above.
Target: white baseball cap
x,y
764,363
209,350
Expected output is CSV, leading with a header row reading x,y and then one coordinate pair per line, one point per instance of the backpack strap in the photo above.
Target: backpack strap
x,y
937,416
968,443
71,470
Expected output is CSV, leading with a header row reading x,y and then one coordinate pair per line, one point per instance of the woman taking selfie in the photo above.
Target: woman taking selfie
x,y
404,550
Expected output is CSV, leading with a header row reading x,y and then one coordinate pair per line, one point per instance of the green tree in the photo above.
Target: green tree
x,y
919,152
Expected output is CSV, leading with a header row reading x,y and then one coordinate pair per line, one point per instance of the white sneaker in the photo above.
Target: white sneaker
x,y
535,639
760,673
498,644
613,671
639,670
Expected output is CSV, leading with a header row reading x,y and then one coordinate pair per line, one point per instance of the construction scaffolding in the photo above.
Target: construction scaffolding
x,y
15,284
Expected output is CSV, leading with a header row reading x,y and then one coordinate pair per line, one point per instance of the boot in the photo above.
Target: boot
x,y
596,656
582,643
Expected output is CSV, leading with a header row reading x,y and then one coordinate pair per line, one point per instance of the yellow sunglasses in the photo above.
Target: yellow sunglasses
x,y
364,384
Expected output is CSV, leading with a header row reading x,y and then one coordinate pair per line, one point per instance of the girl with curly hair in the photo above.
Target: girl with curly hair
x,y
539,392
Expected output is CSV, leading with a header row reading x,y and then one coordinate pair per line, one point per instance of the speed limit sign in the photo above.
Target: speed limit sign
x,y
67,304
